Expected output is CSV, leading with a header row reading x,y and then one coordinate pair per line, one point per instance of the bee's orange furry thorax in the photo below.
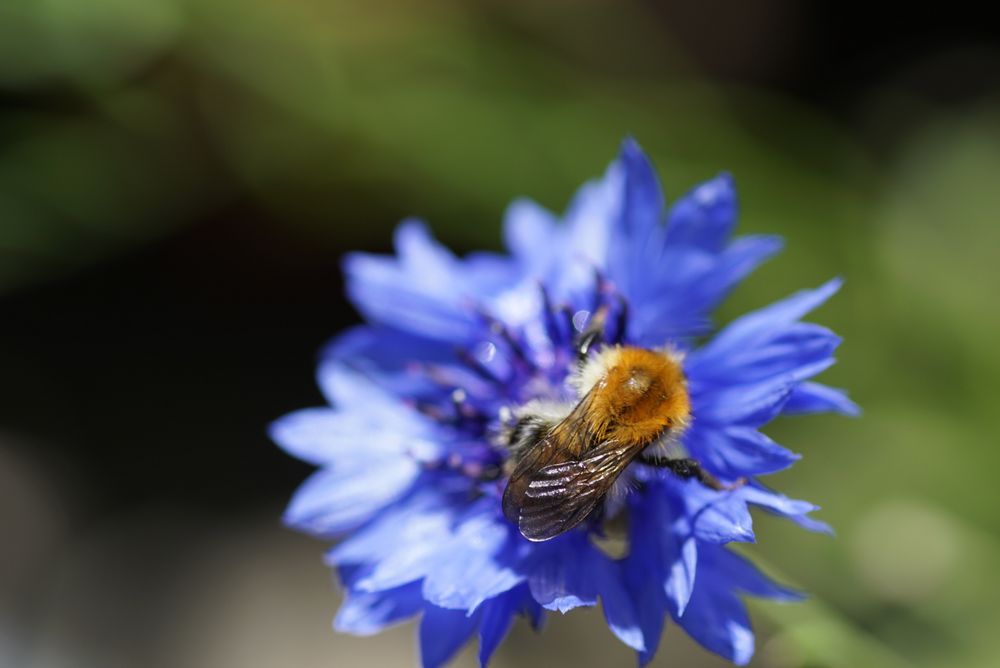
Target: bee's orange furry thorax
x,y
641,395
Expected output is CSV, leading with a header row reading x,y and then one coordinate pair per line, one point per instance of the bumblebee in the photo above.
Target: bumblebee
x,y
566,458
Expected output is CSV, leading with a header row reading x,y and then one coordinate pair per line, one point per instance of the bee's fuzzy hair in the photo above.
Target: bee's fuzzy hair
x,y
528,423
669,445
593,369
548,411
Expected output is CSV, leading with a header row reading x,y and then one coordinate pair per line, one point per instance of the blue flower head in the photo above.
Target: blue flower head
x,y
414,450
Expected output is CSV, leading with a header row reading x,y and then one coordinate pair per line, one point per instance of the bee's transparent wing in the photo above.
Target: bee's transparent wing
x,y
561,495
566,442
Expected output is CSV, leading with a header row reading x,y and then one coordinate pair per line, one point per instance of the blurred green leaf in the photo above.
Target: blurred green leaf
x,y
92,43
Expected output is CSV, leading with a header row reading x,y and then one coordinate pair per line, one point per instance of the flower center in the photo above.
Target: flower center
x,y
517,381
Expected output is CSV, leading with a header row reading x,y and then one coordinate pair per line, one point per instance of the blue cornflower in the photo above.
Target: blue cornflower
x,y
413,451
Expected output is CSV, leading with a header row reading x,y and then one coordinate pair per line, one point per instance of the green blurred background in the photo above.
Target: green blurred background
x,y
178,179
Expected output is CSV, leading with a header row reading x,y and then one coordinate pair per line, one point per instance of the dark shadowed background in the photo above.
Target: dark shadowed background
x,y
178,179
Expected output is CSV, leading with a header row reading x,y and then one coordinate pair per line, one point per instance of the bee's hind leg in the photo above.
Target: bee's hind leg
x,y
690,468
